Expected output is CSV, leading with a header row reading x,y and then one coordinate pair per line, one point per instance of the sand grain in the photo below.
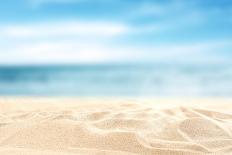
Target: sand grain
x,y
68,127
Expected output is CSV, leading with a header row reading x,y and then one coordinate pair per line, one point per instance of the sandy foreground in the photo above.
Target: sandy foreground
x,y
114,126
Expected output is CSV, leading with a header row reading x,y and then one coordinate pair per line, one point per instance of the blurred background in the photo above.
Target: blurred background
x,y
143,48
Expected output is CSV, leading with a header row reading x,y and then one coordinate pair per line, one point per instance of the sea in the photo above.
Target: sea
x,y
97,80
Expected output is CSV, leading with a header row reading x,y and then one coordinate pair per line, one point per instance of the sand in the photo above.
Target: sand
x,y
62,126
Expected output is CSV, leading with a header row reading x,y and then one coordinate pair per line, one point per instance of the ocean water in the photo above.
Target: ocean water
x,y
117,80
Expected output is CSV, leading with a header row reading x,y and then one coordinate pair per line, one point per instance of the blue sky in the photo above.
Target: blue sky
x,y
102,31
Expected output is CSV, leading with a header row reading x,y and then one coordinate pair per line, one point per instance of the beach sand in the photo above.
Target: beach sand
x,y
114,126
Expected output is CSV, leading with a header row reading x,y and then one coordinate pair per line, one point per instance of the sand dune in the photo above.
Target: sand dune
x,y
68,127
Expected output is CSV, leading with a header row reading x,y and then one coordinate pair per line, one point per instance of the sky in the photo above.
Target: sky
x,y
115,31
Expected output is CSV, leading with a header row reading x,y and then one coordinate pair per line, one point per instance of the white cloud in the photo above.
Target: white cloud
x,y
58,42
38,3
76,51
90,42
69,51
203,52
62,29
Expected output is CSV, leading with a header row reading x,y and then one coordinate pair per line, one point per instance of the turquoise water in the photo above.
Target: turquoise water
x,y
117,80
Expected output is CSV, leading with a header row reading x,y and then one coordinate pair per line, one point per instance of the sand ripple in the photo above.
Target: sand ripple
x,y
122,128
